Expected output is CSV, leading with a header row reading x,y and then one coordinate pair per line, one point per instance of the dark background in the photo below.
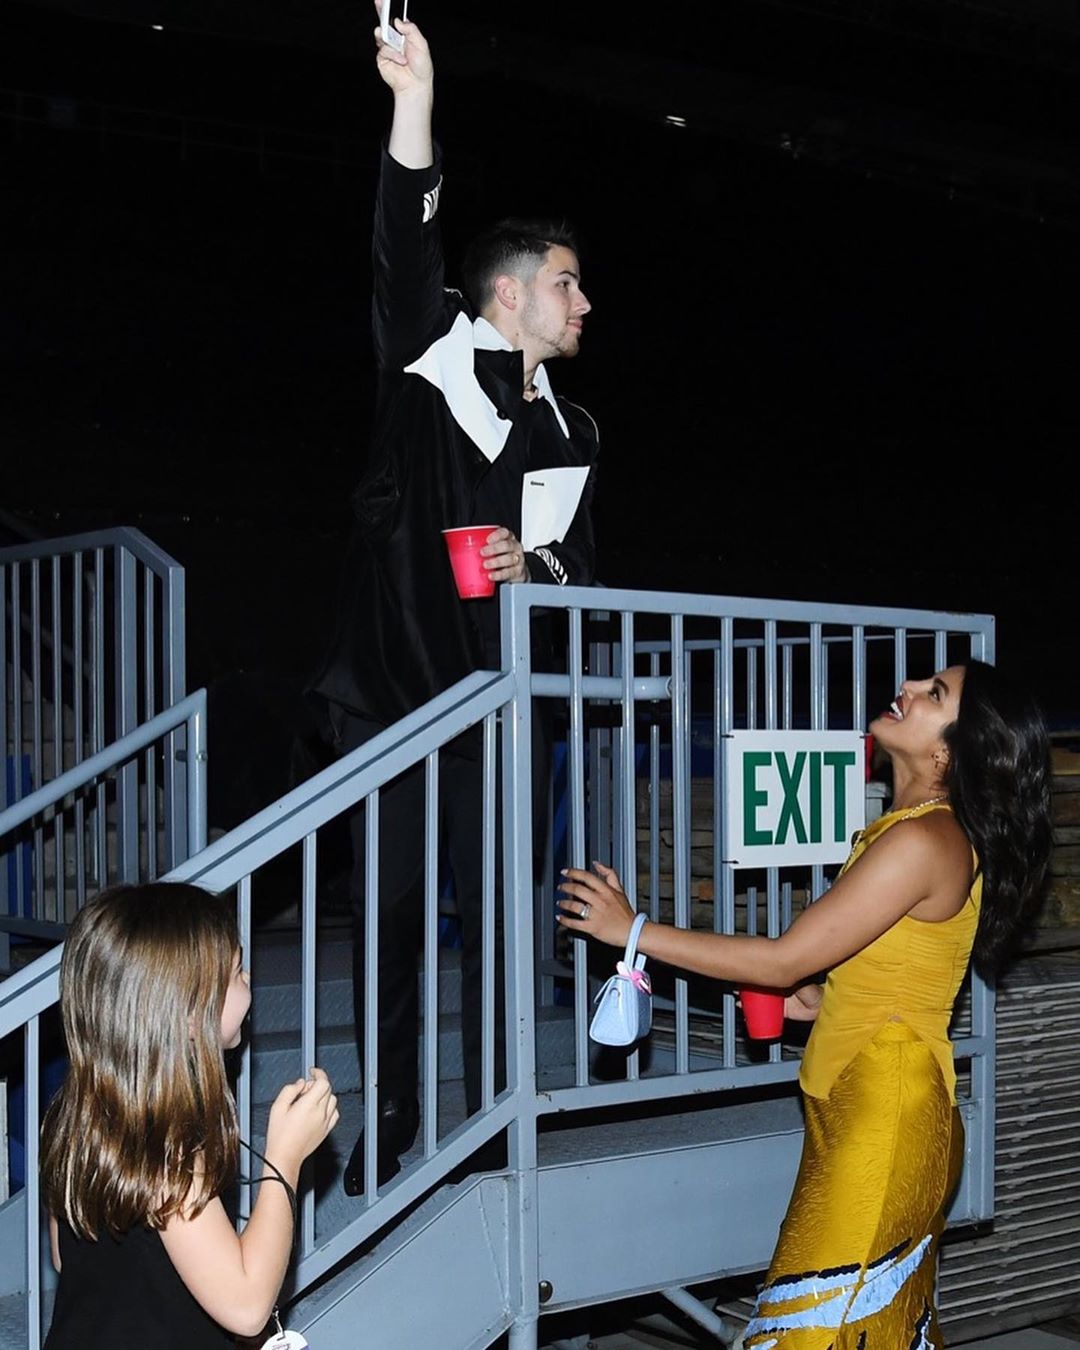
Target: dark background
x,y
832,349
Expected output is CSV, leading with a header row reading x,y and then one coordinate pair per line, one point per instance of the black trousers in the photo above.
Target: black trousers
x,y
401,900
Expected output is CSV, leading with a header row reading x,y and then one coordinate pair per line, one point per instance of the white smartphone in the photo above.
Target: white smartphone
x,y
391,10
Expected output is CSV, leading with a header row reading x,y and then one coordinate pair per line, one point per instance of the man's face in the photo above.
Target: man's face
x,y
553,307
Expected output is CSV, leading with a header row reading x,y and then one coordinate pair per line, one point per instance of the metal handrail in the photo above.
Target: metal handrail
x,y
479,700
92,633
30,991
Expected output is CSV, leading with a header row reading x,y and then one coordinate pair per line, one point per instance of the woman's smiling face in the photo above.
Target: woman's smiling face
x,y
915,724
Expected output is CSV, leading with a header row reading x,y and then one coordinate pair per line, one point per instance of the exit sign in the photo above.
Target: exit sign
x,y
793,796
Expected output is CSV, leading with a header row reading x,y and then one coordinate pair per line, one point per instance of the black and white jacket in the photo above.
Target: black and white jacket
x,y
449,409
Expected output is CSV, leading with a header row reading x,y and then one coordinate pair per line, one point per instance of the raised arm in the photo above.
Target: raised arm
x,y
908,865
236,1279
407,256
411,77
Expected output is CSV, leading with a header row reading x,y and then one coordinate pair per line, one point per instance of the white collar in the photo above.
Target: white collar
x,y
487,338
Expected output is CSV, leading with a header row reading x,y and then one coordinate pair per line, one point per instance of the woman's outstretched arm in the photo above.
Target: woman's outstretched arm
x,y
905,866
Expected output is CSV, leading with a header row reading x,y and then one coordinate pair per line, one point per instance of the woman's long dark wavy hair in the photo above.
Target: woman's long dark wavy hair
x,y
144,1125
999,788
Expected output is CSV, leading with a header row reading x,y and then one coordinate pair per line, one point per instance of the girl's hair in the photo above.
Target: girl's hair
x,y
999,787
144,1124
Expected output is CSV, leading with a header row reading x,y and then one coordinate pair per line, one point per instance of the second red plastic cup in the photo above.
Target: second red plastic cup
x,y
764,1013
471,577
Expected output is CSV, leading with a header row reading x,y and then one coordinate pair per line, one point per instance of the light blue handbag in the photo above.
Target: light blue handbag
x,y
624,1005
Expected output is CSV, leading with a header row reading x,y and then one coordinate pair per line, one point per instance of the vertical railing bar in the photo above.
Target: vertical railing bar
x,y
196,794
38,758
488,1011
628,793
983,1004
78,723
98,733
173,689
858,677
787,680
309,987
680,737
59,900
751,723
32,1118
818,722
941,649
817,675
718,787
899,657
751,689
772,874
430,1076
127,711
149,709
824,686
17,721
370,1066
654,804
522,1210
544,932
770,675
600,841
727,867
576,794
243,1082
613,854
10,758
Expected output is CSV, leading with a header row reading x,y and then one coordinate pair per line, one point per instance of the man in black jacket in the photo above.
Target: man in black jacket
x,y
464,411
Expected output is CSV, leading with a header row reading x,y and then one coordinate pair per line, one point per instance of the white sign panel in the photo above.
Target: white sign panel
x,y
793,797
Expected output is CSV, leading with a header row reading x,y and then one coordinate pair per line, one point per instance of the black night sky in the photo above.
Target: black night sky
x,y
831,354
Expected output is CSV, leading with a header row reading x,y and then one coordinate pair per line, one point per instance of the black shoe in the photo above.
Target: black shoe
x,y
399,1120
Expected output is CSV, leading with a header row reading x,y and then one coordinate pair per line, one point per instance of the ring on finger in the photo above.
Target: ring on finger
x,y
586,910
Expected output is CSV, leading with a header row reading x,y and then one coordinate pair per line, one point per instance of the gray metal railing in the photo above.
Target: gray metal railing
x,y
91,647
719,665
649,690
27,996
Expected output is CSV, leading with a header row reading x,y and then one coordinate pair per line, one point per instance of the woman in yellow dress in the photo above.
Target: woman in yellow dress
x,y
949,872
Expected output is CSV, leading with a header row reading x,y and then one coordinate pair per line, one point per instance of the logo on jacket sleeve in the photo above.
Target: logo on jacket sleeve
x,y
554,566
431,202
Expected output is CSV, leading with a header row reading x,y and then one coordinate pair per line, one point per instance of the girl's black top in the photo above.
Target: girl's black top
x,y
126,1292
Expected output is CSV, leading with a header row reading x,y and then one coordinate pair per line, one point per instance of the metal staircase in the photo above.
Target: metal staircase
x,y
698,1132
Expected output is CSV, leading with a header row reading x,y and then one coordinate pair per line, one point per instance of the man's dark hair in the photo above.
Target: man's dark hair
x,y
510,247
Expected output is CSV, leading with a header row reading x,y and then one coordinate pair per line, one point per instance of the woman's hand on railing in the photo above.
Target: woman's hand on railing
x,y
595,903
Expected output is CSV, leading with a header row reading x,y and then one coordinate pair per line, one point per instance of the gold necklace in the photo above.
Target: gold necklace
x,y
910,810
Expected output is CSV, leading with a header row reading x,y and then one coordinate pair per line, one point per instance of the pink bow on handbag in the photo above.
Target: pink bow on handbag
x,y
637,978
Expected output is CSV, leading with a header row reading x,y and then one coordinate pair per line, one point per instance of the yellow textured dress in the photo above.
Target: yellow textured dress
x,y
854,1268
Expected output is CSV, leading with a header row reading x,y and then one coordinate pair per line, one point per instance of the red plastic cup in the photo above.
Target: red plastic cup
x,y
764,1013
471,577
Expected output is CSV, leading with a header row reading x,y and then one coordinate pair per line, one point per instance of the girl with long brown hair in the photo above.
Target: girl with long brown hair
x,y
141,1140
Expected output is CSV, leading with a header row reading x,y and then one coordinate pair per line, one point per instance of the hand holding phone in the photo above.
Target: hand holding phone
x,y
389,10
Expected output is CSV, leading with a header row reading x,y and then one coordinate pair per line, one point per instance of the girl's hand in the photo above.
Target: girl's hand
x,y
804,1004
302,1115
595,904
